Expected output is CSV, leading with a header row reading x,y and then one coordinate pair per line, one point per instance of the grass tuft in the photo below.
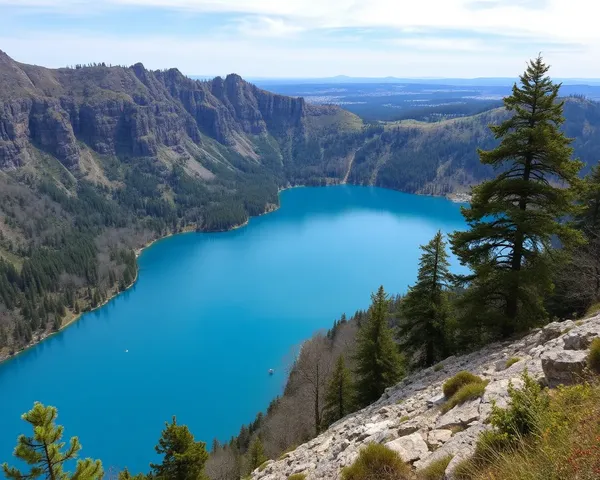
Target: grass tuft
x,y
511,361
377,462
297,476
438,366
454,384
435,470
594,356
467,392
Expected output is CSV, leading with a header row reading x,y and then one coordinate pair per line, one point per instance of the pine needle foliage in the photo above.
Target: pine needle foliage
x,y
45,452
378,361
514,217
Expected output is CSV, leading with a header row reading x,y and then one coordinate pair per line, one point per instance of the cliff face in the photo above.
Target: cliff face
x,y
131,111
408,418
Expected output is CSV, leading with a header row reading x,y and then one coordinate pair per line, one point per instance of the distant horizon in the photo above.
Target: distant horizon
x,y
309,38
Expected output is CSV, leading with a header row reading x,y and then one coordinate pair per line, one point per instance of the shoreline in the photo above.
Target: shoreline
x,y
269,208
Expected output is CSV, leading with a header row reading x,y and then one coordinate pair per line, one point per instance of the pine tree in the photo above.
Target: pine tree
x,y
256,454
378,362
184,458
514,217
425,308
339,396
588,221
45,452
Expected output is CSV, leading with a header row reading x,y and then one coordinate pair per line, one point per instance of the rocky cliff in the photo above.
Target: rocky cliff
x,y
408,418
133,111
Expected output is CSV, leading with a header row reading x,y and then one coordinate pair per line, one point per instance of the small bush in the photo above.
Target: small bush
x,y
454,384
511,361
435,470
377,462
467,392
525,409
297,476
437,367
594,356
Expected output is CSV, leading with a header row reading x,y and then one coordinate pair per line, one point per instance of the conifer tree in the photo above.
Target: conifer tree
x,y
45,452
425,308
256,454
588,221
339,397
514,217
378,362
184,458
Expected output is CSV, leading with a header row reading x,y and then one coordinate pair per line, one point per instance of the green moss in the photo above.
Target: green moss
x,y
377,461
404,419
455,383
435,470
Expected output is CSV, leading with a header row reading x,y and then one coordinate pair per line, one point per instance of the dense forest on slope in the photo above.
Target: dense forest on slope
x,y
96,160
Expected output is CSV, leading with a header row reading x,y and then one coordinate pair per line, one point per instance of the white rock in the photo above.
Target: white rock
x,y
410,448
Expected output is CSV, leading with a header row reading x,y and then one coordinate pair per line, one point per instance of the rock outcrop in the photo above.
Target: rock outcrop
x,y
133,111
408,419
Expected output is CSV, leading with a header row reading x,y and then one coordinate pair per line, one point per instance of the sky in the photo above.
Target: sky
x,y
309,38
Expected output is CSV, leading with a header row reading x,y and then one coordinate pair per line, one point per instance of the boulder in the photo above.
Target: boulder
x,y
436,438
410,448
463,414
554,330
580,339
564,367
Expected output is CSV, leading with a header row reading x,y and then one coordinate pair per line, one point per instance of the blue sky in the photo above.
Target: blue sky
x,y
309,38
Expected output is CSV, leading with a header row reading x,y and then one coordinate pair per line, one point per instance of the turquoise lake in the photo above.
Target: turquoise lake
x,y
211,313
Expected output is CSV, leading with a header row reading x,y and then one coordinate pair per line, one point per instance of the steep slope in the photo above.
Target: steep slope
x,y
408,418
96,161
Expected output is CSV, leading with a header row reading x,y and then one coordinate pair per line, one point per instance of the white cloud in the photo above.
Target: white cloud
x,y
268,58
250,42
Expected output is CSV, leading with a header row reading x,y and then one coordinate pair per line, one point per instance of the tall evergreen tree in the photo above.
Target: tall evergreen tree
x,y
514,217
425,308
256,454
45,452
378,362
184,458
588,220
339,396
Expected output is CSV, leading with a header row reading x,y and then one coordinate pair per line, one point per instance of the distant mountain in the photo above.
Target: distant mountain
x,y
475,82
96,161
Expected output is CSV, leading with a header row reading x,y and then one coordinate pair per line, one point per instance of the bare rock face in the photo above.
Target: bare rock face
x,y
564,366
427,435
132,111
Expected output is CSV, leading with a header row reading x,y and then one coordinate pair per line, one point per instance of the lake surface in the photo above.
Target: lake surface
x,y
211,313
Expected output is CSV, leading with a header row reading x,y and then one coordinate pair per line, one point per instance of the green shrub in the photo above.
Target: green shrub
x,y
594,356
297,476
377,462
467,392
453,384
435,470
525,409
438,366
511,361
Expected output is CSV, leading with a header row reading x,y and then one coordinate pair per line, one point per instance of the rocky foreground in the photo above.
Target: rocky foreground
x,y
408,419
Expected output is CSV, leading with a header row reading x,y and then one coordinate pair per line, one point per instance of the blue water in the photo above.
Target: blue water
x,y
211,313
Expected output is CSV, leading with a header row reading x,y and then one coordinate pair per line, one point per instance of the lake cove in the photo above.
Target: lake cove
x,y
209,316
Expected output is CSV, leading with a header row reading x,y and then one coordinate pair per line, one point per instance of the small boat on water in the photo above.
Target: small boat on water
x,y
271,371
